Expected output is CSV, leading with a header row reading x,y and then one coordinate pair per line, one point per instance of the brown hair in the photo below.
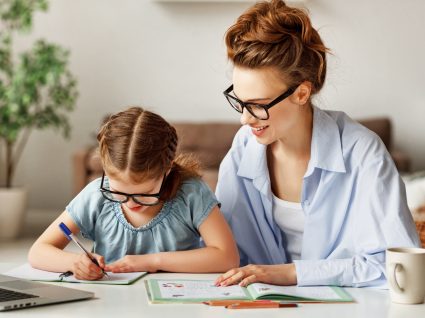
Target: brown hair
x,y
271,34
143,144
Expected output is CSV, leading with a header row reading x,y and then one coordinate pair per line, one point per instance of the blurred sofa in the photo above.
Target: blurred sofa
x,y
209,142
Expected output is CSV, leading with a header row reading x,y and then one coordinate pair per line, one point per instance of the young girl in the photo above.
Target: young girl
x,y
147,212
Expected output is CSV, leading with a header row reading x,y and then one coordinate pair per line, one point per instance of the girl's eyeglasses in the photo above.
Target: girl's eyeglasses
x,y
139,198
259,111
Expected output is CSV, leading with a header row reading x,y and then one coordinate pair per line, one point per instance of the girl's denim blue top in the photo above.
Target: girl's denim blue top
x,y
174,228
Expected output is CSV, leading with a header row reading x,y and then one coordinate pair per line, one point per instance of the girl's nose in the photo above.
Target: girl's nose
x,y
131,204
247,118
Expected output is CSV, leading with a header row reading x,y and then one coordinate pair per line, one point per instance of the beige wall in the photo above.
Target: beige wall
x,y
171,58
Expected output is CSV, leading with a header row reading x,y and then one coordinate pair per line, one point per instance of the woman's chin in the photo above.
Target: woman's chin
x,y
264,140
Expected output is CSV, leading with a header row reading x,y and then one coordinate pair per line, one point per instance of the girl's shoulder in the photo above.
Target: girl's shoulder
x,y
192,186
86,208
90,197
195,197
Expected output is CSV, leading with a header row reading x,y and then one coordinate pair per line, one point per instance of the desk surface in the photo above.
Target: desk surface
x,y
131,301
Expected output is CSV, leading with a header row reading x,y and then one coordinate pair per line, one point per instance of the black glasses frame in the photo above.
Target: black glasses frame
x,y
133,196
249,106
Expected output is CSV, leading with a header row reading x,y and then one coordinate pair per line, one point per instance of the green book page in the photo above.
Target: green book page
x,y
191,291
299,294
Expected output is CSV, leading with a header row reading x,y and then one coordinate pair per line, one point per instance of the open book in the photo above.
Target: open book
x,y
27,272
193,291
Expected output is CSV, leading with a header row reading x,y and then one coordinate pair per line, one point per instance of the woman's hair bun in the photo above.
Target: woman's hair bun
x,y
272,34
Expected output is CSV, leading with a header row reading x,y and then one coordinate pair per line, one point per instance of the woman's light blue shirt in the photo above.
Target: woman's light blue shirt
x,y
174,228
353,199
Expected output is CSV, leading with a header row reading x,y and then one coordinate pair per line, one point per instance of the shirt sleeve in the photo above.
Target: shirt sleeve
x,y
227,184
226,189
85,208
382,220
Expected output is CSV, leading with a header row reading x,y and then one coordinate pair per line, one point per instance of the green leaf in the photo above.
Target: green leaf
x,y
37,89
17,14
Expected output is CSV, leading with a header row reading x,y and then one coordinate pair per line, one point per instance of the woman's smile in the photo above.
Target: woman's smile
x,y
258,130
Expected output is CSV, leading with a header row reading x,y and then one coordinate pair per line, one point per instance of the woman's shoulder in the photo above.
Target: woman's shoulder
x,y
357,141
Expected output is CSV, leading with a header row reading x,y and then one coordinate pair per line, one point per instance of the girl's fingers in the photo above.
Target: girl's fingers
x,y
90,270
91,275
81,274
92,267
83,270
112,267
95,269
121,269
100,259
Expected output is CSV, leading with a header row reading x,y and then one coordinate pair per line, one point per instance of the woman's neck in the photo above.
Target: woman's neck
x,y
288,158
297,144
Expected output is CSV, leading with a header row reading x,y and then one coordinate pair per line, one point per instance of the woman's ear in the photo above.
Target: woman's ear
x,y
302,93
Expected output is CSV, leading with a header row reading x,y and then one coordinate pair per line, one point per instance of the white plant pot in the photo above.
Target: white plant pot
x,y
13,205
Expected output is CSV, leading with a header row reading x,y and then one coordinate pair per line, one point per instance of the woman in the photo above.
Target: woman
x,y
311,193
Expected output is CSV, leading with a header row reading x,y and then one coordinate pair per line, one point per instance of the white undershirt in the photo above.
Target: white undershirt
x,y
289,216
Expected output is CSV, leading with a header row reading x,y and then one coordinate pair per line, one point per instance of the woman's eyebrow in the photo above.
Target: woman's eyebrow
x,y
252,99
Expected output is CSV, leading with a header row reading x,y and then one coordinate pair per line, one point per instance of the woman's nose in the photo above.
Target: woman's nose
x,y
247,118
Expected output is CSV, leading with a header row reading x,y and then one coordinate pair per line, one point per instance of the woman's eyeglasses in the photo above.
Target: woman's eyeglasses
x,y
259,111
139,198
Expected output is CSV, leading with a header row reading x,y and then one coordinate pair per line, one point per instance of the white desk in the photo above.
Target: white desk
x,y
131,301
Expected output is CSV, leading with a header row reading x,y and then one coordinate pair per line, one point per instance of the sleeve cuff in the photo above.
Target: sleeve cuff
x,y
336,272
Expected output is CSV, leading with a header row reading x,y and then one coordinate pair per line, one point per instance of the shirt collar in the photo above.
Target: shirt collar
x,y
253,163
326,145
326,151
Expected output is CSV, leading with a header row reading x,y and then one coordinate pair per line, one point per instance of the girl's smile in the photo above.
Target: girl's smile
x,y
136,209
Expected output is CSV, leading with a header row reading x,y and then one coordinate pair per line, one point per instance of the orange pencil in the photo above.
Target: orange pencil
x,y
226,302
256,305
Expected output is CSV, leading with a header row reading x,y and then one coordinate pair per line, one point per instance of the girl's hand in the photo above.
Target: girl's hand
x,y
284,274
134,263
84,269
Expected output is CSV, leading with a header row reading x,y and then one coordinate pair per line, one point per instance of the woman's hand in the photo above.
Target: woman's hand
x,y
134,263
84,269
284,274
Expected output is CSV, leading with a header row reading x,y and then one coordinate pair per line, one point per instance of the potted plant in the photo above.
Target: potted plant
x,y
37,90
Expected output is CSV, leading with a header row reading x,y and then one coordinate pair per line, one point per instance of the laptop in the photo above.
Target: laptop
x,y
16,293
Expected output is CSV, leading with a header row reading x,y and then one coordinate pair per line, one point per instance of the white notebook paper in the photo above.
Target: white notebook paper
x,y
26,271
